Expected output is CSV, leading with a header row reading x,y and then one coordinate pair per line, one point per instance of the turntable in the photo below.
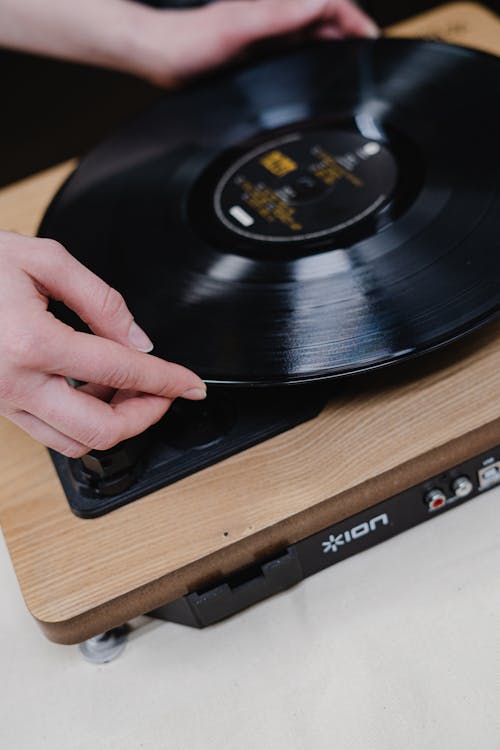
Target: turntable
x,y
323,433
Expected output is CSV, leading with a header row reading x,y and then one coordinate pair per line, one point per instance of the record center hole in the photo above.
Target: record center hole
x,y
304,188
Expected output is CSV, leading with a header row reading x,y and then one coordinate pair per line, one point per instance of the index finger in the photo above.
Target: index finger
x,y
348,18
266,18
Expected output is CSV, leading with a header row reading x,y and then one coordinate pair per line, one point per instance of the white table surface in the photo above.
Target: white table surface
x,y
395,648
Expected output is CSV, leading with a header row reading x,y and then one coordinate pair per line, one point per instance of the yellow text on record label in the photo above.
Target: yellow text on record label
x,y
330,171
269,205
278,163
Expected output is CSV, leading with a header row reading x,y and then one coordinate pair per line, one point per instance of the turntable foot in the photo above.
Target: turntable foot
x,y
106,646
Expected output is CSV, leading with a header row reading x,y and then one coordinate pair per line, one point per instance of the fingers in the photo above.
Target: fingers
x,y
78,425
38,352
102,392
99,361
47,435
328,32
86,420
106,359
93,358
95,302
348,19
256,19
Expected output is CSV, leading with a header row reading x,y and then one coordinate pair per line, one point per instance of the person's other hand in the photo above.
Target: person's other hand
x,y
175,45
38,352
164,45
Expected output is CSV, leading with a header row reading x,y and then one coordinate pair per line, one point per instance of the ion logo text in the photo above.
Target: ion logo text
x,y
345,537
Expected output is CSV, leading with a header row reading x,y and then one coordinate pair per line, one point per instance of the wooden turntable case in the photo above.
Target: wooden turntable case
x,y
378,436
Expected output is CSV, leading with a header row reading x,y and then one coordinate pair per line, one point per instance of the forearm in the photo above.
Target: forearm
x,y
98,32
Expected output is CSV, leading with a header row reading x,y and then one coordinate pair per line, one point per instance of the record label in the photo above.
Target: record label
x,y
305,185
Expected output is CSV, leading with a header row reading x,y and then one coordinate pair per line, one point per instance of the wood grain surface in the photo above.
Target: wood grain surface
x,y
466,24
378,436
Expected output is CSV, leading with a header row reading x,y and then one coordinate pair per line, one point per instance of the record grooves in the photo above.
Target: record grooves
x,y
321,212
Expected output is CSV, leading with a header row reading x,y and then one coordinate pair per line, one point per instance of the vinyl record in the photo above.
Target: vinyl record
x,y
321,212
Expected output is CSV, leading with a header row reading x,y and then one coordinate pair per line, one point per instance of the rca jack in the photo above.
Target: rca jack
x,y
435,499
462,486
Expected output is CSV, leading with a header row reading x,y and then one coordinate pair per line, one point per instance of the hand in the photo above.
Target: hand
x,y
38,352
175,45
169,46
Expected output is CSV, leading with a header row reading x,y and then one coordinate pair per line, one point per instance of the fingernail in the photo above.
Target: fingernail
x,y
372,30
195,394
138,339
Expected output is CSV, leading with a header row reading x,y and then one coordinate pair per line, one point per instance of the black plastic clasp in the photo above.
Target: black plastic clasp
x,y
235,593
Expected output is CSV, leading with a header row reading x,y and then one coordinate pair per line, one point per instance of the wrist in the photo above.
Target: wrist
x,y
142,48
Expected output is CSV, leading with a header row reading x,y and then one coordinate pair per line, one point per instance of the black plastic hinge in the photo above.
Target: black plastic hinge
x,y
234,593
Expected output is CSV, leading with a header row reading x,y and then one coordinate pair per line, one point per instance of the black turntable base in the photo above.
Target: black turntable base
x,y
193,436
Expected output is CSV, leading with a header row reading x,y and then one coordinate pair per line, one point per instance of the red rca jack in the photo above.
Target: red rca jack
x,y
435,499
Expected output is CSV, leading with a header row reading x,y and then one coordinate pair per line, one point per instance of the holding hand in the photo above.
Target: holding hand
x,y
177,45
38,352
169,46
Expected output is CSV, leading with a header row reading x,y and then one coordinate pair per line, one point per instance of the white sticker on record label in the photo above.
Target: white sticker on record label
x,y
239,213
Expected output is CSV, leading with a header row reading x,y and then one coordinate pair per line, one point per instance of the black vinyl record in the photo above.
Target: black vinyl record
x,y
324,211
